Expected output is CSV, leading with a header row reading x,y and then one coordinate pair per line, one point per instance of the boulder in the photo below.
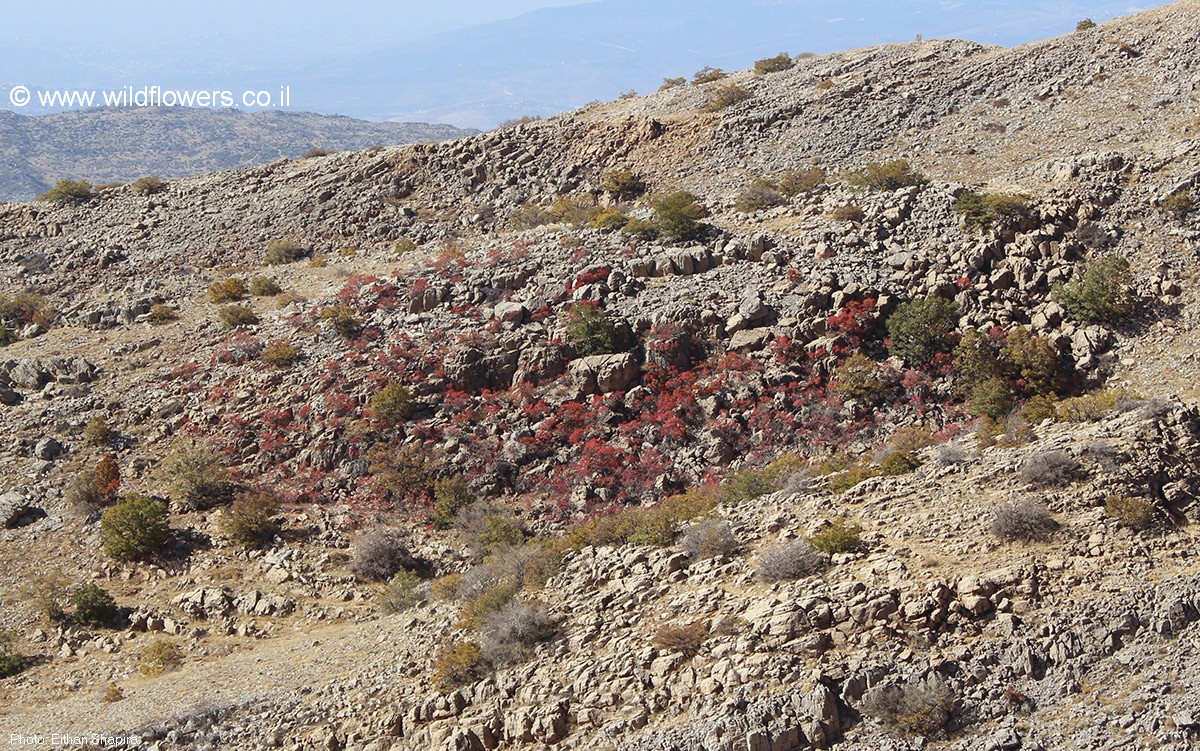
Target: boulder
x,y
603,374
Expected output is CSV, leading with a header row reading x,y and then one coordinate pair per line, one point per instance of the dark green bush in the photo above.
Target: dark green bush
x,y
622,185
11,661
858,378
68,191
94,607
134,529
678,216
886,176
250,520
1102,294
982,210
920,329
991,398
591,330
1032,361
899,463
393,403
195,477
450,496
782,61
403,591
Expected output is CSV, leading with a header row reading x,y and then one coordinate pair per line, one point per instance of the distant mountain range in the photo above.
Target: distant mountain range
x,y
119,145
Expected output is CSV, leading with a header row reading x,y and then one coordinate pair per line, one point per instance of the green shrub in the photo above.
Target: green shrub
x,y
920,329
161,656
678,216
975,360
1032,361
747,485
148,185
161,314
529,216
591,330
609,219
982,210
400,593
899,463
94,607
195,477
762,194
134,529
1085,24
1087,408
642,229
457,665
279,353
727,96
68,191
230,289
991,398
801,180
858,378
342,319
393,403
782,61
11,661
264,286
838,537
98,432
1103,294
886,176
250,520
1129,511
237,316
450,496
622,185
403,246
1179,205
281,252
707,74
686,639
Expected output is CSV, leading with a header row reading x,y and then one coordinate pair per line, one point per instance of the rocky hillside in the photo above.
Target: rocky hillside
x,y
850,405
112,145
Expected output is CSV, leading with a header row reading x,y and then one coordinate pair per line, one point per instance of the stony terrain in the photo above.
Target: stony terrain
x,y
114,145
636,498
